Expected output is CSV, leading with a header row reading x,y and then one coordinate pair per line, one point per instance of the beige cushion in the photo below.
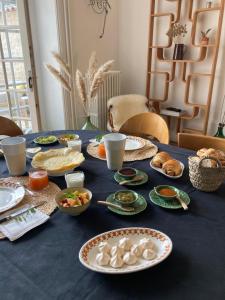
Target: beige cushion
x,y
123,107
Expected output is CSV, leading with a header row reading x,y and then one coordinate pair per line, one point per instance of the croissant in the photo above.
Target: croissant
x,y
218,154
160,159
172,167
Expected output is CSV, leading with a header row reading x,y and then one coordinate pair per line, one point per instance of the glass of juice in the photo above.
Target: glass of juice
x,y
38,179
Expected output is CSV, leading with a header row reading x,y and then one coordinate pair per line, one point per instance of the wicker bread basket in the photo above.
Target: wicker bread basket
x,y
206,179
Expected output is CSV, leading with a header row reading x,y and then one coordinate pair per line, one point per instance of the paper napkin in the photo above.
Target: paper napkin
x,y
23,223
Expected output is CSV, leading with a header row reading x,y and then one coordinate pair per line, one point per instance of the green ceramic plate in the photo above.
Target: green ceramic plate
x,y
46,140
172,203
119,178
139,206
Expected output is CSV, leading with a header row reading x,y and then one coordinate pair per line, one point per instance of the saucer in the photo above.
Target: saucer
x,y
139,205
172,203
119,178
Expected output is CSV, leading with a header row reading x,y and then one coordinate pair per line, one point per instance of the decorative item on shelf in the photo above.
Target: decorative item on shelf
x,y
177,31
88,85
101,7
221,125
204,38
209,3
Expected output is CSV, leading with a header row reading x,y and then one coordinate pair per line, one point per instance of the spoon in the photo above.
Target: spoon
x,y
127,209
182,203
135,179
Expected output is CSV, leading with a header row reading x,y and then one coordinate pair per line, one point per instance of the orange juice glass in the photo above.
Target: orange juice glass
x,y
101,151
38,179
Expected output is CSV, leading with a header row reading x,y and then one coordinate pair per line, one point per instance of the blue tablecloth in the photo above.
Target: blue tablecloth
x,y
44,263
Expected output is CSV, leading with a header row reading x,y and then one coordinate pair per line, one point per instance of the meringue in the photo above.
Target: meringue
x,y
149,254
129,258
102,259
116,261
116,250
146,243
136,250
104,247
125,243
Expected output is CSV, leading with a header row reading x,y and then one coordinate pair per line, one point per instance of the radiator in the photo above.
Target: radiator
x,y
109,89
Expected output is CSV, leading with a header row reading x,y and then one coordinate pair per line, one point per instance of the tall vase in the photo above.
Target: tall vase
x,y
88,124
219,132
178,53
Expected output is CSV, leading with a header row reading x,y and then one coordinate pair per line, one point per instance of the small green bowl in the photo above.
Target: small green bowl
x,y
158,188
73,210
127,176
124,202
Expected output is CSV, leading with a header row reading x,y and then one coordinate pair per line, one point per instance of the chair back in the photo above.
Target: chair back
x,y
123,107
8,127
147,124
196,142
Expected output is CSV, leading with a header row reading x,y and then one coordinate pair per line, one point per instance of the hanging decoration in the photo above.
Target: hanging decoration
x,y
101,7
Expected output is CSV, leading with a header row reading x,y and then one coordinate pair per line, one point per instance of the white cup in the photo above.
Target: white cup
x,y
115,148
15,154
75,145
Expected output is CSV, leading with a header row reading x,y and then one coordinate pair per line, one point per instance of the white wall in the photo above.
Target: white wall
x,y
85,27
132,55
45,40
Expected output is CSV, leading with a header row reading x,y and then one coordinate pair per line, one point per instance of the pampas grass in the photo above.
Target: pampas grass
x,y
95,78
57,75
65,67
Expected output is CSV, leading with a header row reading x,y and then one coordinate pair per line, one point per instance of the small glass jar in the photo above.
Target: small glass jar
x,y
38,179
75,179
75,145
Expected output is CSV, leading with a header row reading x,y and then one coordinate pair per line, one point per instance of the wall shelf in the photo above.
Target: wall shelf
x,y
185,76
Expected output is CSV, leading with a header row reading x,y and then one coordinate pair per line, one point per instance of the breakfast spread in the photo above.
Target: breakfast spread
x,y
212,153
167,164
58,159
75,198
125,252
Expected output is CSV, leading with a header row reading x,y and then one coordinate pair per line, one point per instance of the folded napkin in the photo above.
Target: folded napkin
x,y
23,223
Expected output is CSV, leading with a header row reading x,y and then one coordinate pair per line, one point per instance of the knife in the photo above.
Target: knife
x,y
19,211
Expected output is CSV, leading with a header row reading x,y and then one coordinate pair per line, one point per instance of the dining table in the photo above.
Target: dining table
x,y
44,263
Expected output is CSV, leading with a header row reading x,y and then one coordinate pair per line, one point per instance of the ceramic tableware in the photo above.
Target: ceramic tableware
x,y
172,203
133,144
11,194
45,140
126,197
65,138
139,205
15,155
162,172
140,173
30,152
115,148
89,250
127,172
73,210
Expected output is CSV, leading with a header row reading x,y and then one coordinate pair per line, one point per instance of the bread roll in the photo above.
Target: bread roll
x,y
202,152
172,167
160,159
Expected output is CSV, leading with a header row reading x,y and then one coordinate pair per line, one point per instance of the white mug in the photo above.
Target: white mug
x,y
115,149
15,155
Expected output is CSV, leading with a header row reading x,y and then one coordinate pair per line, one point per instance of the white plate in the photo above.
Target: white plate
x,y
161,170
10,195
132,143
89,250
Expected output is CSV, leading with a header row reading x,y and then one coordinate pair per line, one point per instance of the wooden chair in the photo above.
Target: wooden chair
x,y
8,127
147,124
196,142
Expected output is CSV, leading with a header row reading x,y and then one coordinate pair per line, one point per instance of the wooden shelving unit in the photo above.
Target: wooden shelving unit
x,y
157,52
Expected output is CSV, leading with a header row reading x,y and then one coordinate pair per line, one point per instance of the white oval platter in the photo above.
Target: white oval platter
x,y
161,171
89,250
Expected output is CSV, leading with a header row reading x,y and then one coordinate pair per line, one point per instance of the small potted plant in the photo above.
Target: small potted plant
x,y
204,38
177,32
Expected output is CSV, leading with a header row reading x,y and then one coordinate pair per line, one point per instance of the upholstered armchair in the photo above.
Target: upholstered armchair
x,y
122,108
